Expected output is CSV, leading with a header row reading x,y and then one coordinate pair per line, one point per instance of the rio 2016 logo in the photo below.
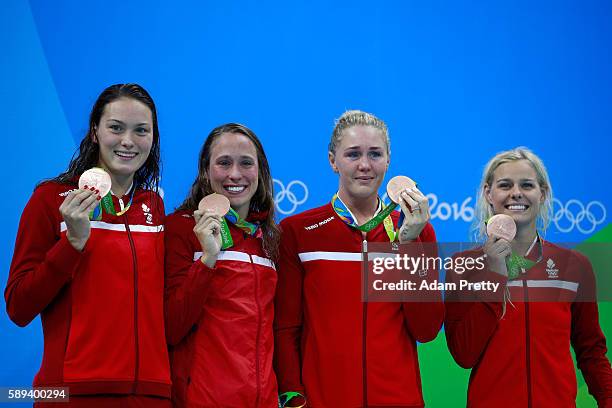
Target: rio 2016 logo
x,y
445,211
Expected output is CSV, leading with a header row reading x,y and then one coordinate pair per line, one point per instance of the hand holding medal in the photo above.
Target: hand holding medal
x,y
502,226
97,178
415,206
501,230
78,204
210,226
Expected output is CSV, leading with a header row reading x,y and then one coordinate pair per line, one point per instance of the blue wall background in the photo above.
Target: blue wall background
x,y
456,82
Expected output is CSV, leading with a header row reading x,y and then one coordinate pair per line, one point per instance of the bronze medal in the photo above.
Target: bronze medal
x,y
396,185
502,226
97,178
217,203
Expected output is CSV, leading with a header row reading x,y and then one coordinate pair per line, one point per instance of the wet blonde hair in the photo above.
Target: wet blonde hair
x,y
484,210
357,118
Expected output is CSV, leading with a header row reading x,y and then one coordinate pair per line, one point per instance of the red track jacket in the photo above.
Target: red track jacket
x,y
338,350
219,321
102,308
523,359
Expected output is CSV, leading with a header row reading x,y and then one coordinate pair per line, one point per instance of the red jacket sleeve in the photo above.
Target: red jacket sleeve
x,y
288,314
587,338
470,322
424,319
187,282
43,261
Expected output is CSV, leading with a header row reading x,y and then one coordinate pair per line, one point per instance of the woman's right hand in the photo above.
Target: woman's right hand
x,y
75,210
497,250
208,232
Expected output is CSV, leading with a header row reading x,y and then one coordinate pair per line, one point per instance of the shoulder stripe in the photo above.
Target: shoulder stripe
x,y
263,261
374,255
119,227
239,257
329,256
573,286
233,256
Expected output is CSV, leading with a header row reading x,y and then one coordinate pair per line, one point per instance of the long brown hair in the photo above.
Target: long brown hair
x,y
262,201
88,155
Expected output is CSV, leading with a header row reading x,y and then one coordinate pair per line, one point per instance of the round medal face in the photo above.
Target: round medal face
x,y
502,226
215,202
398,184
97,178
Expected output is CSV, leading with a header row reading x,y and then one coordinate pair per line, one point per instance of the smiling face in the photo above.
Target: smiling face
x,y
124,135
233,170
515,191
361,160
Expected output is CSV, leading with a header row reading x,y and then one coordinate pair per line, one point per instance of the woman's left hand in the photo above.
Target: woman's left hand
x,y
415,207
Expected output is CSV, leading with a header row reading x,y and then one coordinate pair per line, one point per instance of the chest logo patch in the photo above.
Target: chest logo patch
x,y
551,269
147,213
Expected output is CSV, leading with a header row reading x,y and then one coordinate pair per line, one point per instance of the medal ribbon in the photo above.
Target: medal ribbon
x,y
383,216
516,263
107,204
285,397
233,218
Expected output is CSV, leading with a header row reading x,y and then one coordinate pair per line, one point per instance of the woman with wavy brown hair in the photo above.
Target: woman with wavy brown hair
x,y
90,263
219,293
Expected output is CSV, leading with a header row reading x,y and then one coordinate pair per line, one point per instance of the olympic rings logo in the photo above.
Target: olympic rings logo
x,y
287,193
575,214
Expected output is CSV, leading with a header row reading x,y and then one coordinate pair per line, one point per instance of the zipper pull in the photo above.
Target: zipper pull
x,y
364,246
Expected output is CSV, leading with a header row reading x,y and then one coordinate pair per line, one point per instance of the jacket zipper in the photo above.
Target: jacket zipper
x,y
365,320
257,339
136,342
527,344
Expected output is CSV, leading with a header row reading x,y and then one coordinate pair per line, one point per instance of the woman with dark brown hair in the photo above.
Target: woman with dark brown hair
x,y
90,263
219,292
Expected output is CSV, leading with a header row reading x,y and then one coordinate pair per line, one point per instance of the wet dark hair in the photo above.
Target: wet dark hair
x,y
147,177
262,201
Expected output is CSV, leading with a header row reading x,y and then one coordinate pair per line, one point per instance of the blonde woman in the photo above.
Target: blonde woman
x,y
332,348
518,347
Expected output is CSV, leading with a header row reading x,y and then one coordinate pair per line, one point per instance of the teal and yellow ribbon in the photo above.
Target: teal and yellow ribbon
x,y
383,216
233,218
107,205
